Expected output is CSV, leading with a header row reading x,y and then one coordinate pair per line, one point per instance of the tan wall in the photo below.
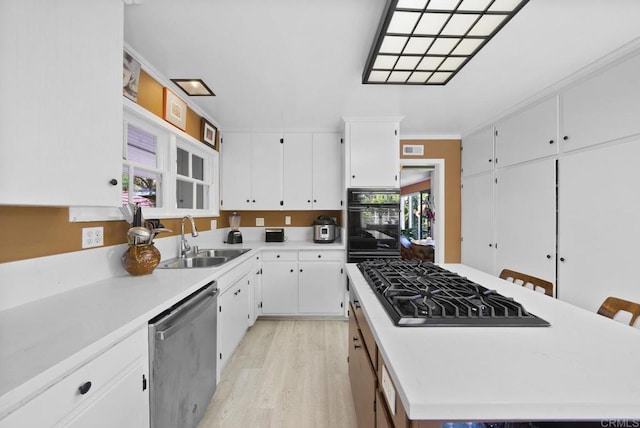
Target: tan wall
x,y
449,150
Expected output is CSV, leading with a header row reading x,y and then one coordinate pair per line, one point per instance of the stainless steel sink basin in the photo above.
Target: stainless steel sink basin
x,y
222,252
210,257
193,262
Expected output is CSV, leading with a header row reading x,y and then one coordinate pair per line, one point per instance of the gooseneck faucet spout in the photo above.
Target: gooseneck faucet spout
x,y
184,245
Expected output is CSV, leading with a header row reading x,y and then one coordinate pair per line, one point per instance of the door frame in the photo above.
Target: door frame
x,y
437,184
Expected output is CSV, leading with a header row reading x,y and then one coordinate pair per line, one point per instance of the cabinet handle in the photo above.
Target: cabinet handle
x,y
248,201
315,200
562,259
291,270
551,141
319,256
309,201
549,256
84,388
300,270
278,256
254,201
490,160
355,339
353,176
113,182
565,138
491,245
356,303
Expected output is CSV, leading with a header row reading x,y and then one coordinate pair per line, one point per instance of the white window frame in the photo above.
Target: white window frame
x,y
169,138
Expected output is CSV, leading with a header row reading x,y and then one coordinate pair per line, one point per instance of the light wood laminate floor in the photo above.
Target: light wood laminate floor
x,y
286,374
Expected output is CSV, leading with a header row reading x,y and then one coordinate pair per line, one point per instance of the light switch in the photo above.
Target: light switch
x,y
259,221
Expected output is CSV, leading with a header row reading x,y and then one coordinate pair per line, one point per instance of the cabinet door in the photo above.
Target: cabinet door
x,y
598,234
123,403
327,172
236,171
526,219
297,182
477,152
233,312
477,222
266,171
61,133
320,289
279,288
362,390
529,134
374,154
603,108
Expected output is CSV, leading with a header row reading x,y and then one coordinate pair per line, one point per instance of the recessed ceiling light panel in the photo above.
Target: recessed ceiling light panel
x,y
426,42
194,87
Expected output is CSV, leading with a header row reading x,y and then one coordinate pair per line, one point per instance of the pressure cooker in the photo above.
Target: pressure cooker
x,y
324,230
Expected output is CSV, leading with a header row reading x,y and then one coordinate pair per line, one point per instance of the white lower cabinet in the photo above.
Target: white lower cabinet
x,y
478,237
303,282
279,287
233,315
110,390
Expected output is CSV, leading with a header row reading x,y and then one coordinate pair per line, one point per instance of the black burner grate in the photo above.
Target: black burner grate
x,y
422,294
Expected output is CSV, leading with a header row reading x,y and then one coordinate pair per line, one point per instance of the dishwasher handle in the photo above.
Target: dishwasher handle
x,y
185,314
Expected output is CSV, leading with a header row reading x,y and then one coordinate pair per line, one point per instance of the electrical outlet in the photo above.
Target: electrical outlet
x,y
92,237
214,224
259,221
287,219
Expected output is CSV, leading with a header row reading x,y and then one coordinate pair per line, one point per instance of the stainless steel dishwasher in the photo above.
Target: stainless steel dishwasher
x,y
182,358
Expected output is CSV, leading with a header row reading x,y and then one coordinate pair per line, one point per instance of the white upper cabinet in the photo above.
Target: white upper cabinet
x,y
327,171
61,104
477,152
298,161
603,108
235,166
373,153
312,171
529,134
266,171
251,171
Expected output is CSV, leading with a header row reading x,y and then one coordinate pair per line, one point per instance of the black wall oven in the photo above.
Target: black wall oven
x,y
373,224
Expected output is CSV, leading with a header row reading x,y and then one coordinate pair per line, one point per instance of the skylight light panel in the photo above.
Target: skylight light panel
x,y
393,44
403,22
428,41
431,23
418,45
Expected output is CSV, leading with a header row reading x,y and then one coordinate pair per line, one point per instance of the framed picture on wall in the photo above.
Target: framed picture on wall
x,y
130,76
175,110
208,133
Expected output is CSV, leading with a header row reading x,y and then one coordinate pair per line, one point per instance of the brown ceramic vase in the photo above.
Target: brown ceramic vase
x,y
141,259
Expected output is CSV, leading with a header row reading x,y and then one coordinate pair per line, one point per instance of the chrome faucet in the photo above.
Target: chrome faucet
x,y
184,245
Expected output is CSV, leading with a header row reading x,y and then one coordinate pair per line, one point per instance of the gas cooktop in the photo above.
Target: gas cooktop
x,y
415,293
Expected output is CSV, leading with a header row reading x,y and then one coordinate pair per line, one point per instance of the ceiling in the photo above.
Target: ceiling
x,y
297,64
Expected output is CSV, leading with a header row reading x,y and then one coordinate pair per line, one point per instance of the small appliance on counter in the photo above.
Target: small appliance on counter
x,y
234,236
324,230
274,234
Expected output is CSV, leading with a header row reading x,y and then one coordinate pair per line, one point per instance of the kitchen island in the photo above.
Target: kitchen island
x,y
582,367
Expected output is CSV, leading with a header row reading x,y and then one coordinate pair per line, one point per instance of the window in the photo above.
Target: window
x,y
164,170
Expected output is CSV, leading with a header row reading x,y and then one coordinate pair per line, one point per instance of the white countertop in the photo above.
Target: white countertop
x,y
583,367
43,340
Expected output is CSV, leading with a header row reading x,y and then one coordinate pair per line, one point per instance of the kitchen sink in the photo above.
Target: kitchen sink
x,y
193,262
204,258
223,252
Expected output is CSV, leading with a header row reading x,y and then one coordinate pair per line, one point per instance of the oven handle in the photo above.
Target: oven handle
x,y
187,314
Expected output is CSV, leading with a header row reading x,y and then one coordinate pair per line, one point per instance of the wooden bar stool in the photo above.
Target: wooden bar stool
x,y
537,284
612,305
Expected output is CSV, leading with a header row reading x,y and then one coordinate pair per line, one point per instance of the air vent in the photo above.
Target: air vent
x,y
415,150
